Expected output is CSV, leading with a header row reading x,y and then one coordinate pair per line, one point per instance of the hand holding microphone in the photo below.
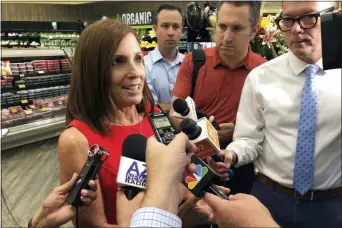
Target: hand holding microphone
x,y
125,208
223,166
241,210
185,108
204,136
166,166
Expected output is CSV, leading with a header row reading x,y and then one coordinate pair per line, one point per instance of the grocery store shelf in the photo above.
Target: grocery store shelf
x,y
4,132
58,45
33,132
59,38
11,53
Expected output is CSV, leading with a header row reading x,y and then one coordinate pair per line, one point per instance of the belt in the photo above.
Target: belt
x,y
310,195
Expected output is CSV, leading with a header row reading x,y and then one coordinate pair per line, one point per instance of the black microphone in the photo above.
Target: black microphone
x,y
205,138
182,107
201,114
132,170
201,181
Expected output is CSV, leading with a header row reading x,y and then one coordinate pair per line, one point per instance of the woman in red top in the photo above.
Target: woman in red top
x,y
108,100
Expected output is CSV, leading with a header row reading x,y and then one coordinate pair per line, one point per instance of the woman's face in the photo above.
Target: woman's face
x,y
128,73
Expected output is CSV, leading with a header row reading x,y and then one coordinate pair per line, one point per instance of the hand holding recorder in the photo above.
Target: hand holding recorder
x,y
55,210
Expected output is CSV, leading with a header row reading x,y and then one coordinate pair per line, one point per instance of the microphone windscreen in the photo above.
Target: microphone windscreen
x,y
134,147
200,114
188,126
180,106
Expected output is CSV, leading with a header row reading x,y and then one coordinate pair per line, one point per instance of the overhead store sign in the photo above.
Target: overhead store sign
x,y
141,18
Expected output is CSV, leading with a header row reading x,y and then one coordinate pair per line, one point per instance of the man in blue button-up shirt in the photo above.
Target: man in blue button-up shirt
x,y
162,64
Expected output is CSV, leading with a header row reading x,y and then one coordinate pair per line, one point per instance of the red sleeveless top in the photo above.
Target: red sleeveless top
x,y
110,168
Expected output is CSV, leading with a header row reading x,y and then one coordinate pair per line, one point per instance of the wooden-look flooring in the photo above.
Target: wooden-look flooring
x,y
29,174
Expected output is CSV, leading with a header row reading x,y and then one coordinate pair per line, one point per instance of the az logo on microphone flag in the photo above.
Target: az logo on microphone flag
x,y
193,178
133,176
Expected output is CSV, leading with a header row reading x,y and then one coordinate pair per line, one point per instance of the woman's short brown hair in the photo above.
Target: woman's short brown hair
x,y
90,97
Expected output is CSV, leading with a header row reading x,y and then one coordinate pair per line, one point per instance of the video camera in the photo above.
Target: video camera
x,y
331,24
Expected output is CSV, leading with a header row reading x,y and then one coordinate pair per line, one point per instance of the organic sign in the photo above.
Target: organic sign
x,y
141,18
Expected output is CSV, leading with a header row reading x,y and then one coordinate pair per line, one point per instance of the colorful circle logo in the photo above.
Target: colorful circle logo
x,y
193,178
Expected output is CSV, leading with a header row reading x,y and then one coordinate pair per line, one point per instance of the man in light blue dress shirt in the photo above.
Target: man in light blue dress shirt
x,y
162,64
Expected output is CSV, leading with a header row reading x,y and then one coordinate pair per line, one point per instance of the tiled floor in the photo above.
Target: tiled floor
x,y
29,174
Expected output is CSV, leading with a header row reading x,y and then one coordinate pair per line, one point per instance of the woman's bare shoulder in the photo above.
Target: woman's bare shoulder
x,y
72,139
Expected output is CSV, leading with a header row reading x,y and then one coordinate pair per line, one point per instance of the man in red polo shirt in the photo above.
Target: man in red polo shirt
x,y
220,80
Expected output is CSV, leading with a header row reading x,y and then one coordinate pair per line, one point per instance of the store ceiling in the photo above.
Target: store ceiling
x,y
51,2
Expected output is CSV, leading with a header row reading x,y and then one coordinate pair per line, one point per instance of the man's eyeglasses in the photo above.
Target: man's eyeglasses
x,y
306,21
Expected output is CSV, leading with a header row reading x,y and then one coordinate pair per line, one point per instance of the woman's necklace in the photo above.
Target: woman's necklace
x,y
141,123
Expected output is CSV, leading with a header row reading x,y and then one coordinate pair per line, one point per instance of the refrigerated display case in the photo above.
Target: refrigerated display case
x,y
34,88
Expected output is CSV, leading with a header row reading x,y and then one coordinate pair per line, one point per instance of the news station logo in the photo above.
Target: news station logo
x,y
135,176
193,178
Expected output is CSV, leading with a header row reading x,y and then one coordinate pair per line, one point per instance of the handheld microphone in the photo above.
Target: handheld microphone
x,y
200,181
205,137
132,176
181,107
201,114
96,157
184,108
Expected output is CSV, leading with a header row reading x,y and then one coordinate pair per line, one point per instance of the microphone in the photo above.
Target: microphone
x,y
205,137
201,114
200,181
184,108
181,107
132,176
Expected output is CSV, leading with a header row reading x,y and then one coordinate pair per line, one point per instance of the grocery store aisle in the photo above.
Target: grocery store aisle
x,y
29,174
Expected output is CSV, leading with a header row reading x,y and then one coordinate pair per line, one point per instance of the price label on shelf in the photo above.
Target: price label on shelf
x,y
40,72
21,86
28,111
44,109
14,110
24,101
22,75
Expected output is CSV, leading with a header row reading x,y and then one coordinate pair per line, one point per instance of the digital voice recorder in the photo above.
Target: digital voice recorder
x,y
96,156
164,130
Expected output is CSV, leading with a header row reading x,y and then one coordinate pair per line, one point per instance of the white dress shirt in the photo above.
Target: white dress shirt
x,y
266,128
154,217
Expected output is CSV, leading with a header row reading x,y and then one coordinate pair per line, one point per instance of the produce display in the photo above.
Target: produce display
x,y
148,41
36,39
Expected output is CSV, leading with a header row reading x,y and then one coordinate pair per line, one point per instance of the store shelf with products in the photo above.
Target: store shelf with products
x,y
38,39
149,40
183,43
34,88
48,35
